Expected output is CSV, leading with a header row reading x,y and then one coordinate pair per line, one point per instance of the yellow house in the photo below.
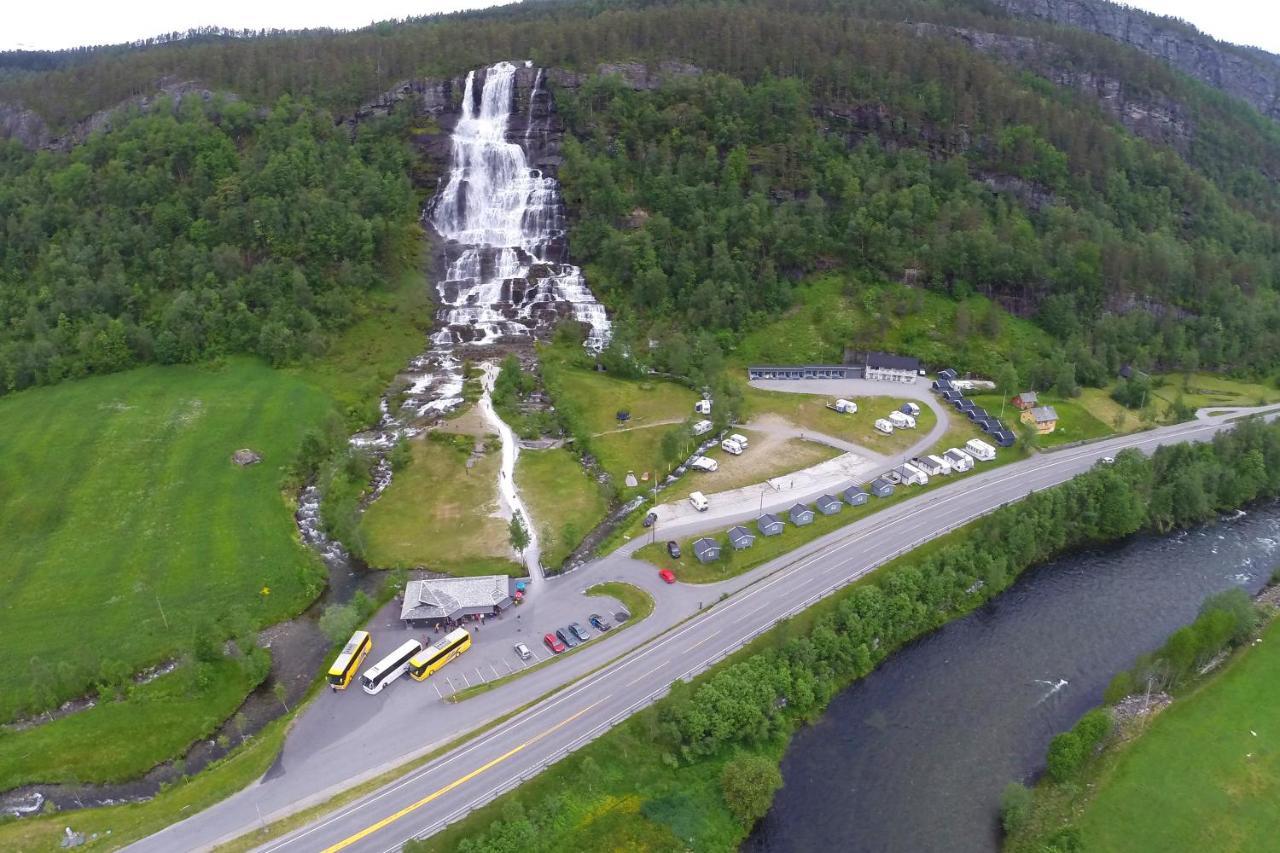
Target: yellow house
x,y
1043,418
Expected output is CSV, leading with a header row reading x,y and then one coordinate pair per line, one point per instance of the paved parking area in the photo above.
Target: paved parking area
x,y
492,654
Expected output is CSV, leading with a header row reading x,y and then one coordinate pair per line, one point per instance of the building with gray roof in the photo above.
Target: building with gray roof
x,y
450,599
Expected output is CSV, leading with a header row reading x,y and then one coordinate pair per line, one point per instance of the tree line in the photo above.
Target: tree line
x,y
194,230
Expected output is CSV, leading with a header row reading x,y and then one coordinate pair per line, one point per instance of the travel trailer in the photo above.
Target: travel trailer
x,y
884,426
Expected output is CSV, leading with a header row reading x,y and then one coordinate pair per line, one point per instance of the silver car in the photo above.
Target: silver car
x,y
522,651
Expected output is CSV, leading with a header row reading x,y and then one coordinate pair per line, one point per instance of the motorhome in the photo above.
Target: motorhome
x,y
741,439
731,446
979,449
699,501
702,427
884,426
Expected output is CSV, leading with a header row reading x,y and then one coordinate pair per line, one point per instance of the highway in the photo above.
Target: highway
x,y
447,787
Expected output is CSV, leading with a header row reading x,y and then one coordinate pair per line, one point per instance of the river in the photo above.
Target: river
x,y
914,757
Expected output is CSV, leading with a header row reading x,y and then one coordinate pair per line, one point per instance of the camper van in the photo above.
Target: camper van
x,y
884,426
699,501
902,421
731,446
703,406
741,440
704,463
702,427
979,449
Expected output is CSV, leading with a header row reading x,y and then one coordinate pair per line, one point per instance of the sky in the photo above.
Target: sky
x,y
70,23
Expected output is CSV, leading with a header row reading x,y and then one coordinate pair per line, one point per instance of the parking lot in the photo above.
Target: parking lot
x,y
492,654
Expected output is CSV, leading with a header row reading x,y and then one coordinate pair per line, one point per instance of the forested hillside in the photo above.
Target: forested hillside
x,y
191,232
1132,212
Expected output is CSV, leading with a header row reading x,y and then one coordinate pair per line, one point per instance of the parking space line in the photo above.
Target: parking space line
x,y
480,675
495,671
436,685
467,680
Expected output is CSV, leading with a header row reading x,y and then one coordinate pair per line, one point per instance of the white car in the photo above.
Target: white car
x,y
522,651
1108,460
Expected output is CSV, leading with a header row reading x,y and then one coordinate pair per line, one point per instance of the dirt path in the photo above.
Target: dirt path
x,y
665,422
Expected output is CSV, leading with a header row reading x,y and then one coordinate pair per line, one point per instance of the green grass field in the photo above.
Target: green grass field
x,y
599,396
1199,778
563,500
1075,421
1202,390
809,411
437,513
125,521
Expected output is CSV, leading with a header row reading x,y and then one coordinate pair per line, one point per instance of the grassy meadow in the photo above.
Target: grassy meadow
x,y
564,502
1075,421
439,513
126,523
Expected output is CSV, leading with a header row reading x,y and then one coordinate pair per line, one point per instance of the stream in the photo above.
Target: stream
x,y
914,756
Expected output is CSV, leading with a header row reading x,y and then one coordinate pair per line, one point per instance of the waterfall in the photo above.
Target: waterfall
x,y
504,223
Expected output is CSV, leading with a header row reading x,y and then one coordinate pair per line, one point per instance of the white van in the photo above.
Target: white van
x,y
731,446
699,501
884,426
702,427
979,449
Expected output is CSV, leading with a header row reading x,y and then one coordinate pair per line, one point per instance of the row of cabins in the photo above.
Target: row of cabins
x,y
878,366
988,423
741,537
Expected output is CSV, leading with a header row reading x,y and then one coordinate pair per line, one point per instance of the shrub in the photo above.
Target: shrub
x,y
1066,754
748,783
1015,806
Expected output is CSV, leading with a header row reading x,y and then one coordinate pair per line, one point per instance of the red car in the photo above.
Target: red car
x,y
667,575
552,643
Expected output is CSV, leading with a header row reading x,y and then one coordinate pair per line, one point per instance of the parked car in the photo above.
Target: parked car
x,y
553,643
667,575
673,548
566,636
601,624
649,518
522,651
578,631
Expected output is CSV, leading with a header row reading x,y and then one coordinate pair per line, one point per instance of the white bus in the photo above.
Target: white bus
x,y
389,668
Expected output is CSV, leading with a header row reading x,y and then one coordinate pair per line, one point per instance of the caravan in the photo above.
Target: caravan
x,y
846,407
884,426
732,447
702,407
702,427
902,421
704,463
979,449
741,440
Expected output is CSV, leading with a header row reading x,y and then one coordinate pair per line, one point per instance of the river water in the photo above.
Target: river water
x,y
914,757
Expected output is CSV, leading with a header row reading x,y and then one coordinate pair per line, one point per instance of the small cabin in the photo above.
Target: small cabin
x,y
880,487
1043,418
854,496
769,524
828,504
1024,401
741,538
800,515
706,549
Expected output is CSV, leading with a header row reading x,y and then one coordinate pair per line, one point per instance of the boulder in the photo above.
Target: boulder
x,y
245,456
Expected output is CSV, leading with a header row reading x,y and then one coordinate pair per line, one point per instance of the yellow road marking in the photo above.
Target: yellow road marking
x,y
390,819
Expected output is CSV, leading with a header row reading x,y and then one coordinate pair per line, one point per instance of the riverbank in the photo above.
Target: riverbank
x,y
669,795
1199,771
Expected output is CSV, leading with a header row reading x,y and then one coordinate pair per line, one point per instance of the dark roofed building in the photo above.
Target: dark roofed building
x,y
855,496
948,374
800,515
740,537
769,524
706,549
881,488
828,504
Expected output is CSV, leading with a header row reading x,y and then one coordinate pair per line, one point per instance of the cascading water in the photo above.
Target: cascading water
x,y
504,223
507,276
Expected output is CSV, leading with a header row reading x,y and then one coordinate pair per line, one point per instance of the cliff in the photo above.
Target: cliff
x,y
1249,74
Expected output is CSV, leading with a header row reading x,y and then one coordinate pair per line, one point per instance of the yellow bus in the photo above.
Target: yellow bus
x,y
349,660
430,659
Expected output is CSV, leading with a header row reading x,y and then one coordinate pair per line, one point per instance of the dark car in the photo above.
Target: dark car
x,y
599,623
673,548
578,631
566,636
649,518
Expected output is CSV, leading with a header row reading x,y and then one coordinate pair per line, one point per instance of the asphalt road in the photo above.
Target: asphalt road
x,y
315,765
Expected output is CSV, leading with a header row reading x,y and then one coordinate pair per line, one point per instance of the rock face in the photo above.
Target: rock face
x,y
27,127
1249,74
1158,119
